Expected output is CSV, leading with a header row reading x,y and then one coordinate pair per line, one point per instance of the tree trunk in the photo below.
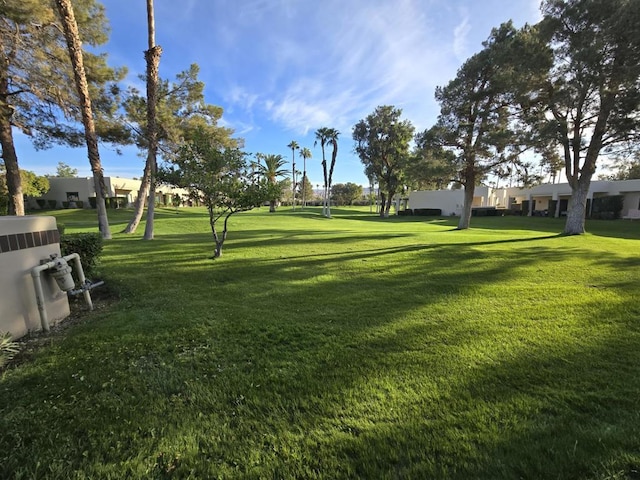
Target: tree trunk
x,y
138,206
14,181
152,57
383,203
465,216
576,212
272,206
72,36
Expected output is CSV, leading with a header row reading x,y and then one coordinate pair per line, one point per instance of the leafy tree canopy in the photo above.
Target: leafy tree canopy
x,y
345,193
382,143
219,177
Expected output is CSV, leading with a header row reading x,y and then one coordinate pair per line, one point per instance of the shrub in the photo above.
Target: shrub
x,y
41,202
607,208
61,228
87,245
79,204
427,212
52,203
65,204
93,203
4,205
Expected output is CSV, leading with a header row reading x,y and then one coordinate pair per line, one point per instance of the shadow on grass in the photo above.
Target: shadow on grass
x,y
312,366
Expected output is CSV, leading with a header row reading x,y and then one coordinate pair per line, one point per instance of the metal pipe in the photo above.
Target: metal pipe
x,y
35,274
80,272
37,283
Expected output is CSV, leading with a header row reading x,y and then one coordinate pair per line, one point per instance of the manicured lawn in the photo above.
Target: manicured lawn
x,y
345,348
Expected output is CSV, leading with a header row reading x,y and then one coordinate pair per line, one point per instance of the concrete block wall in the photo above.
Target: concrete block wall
x,y
24,242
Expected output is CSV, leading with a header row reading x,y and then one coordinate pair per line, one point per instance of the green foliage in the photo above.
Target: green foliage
x,y
52,203
65,171
625,168
270,171
93,202
32,185
41,202
345,193
41,88
586,99
87,245
181,111
382,143
607,208
8,349
481,125
220,178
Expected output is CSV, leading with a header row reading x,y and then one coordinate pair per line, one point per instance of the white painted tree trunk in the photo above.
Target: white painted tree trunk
x,y
465,216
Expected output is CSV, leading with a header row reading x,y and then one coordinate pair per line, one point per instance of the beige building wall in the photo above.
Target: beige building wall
x,y
24,242
61,188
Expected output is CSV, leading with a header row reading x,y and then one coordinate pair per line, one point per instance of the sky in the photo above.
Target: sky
x,y
281,69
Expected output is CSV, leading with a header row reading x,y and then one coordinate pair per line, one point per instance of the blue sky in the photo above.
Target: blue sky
x,y
283,68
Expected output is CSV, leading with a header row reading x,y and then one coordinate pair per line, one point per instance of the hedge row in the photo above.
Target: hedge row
x,y
87,245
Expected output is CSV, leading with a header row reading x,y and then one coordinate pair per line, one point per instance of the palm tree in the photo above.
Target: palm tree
x,y
271,170
293,146
74,45
322,135
332,138
304,153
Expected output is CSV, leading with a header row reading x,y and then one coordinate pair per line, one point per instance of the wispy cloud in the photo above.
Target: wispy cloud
x,y
460,36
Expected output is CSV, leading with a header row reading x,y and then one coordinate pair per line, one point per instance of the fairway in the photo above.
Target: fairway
x,y
351,347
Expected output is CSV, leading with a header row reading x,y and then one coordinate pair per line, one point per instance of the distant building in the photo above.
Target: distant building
x,y
547,199
125,190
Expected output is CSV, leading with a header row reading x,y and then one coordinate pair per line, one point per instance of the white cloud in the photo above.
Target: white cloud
x,y
460,36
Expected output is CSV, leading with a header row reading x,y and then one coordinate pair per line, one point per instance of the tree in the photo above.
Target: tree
x,y
65,171
220,178
180,110
345,193
293,146
38,95
152,59
382,143
589,100
32,185
332,138
431,167
270,171
305,153
305,188
625,168
322,136
479,120
72,35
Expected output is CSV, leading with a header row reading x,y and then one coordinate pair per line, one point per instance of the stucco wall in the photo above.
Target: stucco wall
x,y
24,242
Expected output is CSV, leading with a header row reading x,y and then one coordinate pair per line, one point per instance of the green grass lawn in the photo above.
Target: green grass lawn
x,y
346,348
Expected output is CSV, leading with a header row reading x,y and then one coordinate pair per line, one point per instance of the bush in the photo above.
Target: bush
x,y
404,213
87,245
52,203
79,204
607,208
61,228
427,212
484,212
93,203
41,202
65,204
